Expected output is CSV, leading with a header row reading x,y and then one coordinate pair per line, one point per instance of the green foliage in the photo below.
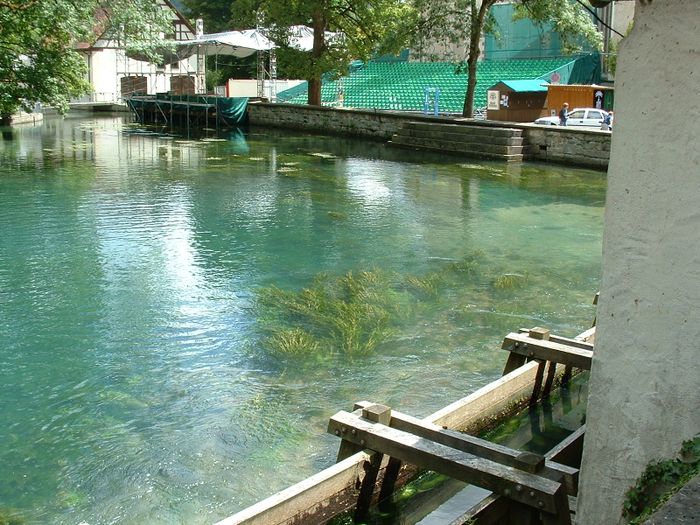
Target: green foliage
x,y
611,58
38,62
427,286
660,480
458,26
569,19
214,13
292,342
368,27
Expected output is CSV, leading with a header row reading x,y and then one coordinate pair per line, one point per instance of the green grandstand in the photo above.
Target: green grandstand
x,y
401,85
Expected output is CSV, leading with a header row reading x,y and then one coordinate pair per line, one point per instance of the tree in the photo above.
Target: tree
x,y
215,14
462,23
38,59
368,27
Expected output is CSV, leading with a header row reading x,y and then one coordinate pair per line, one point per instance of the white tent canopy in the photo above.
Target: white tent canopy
x,y
244,43
239,44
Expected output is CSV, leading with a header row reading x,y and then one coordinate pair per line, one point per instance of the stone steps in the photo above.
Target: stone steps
x,y
462,139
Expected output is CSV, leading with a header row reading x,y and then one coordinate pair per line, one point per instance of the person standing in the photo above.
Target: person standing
x,y
607,122
564,114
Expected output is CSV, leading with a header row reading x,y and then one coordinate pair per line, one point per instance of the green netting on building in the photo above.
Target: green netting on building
x,y
401,85
522,38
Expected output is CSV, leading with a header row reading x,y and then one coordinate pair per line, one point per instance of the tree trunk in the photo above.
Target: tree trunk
x,y
319,23
472,61
468,110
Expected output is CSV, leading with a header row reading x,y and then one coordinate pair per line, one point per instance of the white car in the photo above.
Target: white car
x,y
586,117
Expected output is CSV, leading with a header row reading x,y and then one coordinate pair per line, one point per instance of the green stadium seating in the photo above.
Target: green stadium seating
x,y
401,85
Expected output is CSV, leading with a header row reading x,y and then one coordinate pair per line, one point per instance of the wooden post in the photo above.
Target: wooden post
x,y
541,334
551,371
538,384
376,414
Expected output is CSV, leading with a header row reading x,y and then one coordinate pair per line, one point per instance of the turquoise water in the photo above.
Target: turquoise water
x,y
134,385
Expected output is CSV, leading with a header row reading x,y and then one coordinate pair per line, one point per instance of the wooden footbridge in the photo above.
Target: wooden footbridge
x,y
380,449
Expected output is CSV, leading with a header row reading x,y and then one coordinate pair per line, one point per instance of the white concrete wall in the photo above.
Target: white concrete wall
x,y
109,65
249,87
645,381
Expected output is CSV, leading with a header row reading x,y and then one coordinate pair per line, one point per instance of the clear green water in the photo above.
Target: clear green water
x,y
133,384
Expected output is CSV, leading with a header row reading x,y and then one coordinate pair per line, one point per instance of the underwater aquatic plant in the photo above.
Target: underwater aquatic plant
x,y
351,314
509,280
291,342
10,517
428,286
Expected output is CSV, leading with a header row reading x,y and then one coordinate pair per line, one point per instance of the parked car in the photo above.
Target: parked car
x,y
587,117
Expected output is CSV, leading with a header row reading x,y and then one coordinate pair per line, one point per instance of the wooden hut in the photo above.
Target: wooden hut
x,y
516,100
578,96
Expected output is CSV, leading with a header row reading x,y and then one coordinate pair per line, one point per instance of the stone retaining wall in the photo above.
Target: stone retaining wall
x,y
589,148
580,147
23,118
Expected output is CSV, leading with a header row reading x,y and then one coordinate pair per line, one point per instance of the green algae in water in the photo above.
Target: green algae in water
x,y
509,281
351,314
292,342
11,517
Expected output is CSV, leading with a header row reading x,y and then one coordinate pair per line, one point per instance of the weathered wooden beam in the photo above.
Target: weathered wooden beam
x,y
483,448
525,346
316,499
376,414
579,342
569,451
492,509
313,500
532,490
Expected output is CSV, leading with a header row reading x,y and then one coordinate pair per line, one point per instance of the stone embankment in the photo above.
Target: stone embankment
x,y
24,118
587,148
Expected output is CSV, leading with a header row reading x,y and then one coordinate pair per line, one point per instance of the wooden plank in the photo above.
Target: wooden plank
x,y
296,503
492,510
581,341
489,401
526,346
568,451
551,371
482,448
313,498
538,382
530,489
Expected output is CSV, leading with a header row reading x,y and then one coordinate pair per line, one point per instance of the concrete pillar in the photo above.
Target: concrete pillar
x,y
645,382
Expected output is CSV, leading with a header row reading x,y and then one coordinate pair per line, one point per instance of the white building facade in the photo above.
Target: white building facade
x,y
114,75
